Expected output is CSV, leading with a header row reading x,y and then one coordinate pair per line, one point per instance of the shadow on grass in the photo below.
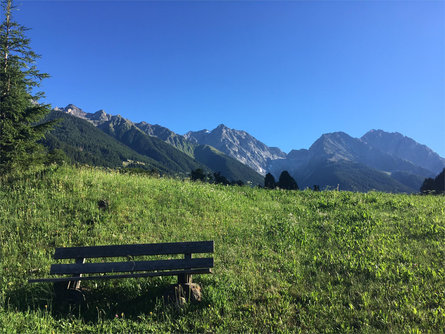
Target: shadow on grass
x,y
114,299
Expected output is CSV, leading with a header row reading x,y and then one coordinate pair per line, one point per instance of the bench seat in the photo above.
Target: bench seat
x,y
132,268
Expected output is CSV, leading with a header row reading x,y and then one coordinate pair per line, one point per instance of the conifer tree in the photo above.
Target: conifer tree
x,y
198,174
286,181
434,186
269,181
21,115
220,179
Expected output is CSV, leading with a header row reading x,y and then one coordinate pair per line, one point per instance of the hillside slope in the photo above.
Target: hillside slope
x,y
285,261
85,144
339,159
378,161
350,176
168,136
237,144
405,148
210,157
127,133
172,152
218,161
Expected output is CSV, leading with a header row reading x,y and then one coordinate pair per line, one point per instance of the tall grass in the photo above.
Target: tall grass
x,y
285,261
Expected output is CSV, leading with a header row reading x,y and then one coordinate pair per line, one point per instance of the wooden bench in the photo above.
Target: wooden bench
x,y
76,272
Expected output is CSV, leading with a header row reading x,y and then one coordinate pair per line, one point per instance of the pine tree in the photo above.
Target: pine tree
x,y
198,174
21,115
434,186
220,179
286,181
269,181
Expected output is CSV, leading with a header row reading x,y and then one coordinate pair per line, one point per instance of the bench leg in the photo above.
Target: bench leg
x,y
74,285
183,292
66,294
69,292
184,279
60,289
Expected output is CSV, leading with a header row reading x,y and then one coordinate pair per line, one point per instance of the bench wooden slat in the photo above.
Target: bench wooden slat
x,y
130,266
135,250
138,275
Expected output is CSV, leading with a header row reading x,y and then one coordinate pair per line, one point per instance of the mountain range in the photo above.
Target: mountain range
x,y
377,161
82,136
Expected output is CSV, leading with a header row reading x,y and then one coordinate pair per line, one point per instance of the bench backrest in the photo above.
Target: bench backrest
x,y
81,253
135,250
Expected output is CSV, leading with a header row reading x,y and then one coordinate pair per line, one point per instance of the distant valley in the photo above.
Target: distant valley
x,y
378,160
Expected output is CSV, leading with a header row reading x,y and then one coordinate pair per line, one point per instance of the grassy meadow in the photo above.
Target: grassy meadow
x,y
285,261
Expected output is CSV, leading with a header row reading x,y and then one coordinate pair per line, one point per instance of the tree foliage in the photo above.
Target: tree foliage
x,y
269,181
434,186
218,178
287,182
83,143
198,174
20,112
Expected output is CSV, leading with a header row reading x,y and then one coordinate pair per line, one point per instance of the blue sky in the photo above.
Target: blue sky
x,y
284,71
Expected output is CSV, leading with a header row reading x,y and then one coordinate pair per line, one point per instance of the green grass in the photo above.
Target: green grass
x,y
331,262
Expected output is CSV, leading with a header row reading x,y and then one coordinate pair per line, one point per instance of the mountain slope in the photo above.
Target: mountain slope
x,y
366,164
168,136
96,118
338,146
207,155
378,160
337,158
84,143
218,161
169,150
405,148
347,175
127,133
239,145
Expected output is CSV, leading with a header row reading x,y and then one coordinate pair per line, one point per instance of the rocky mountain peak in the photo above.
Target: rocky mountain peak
x,y
381,133
72,106
73,110
159,131
96,119
99,117
336,146
239,145
197,136
222,130
405,148
298,154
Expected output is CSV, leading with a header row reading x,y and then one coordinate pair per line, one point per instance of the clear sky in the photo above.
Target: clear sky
x,y
284,71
